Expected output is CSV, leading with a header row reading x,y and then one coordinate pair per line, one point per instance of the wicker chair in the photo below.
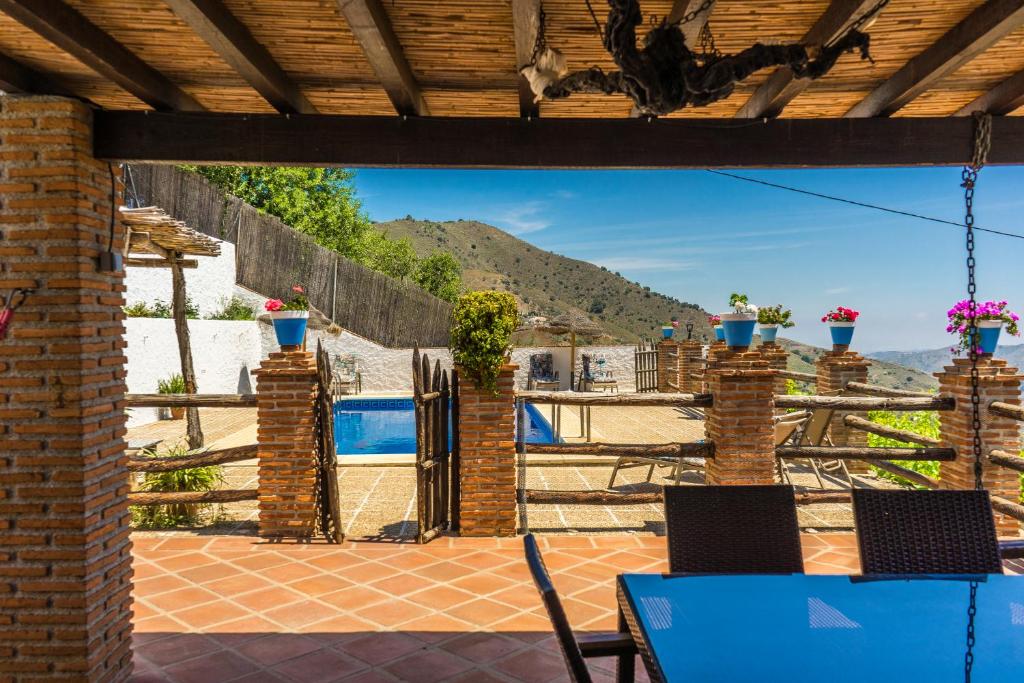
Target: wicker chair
x,y
732,530
925,532
575,648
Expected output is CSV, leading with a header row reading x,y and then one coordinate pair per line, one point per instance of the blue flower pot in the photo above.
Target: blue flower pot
x,y
988,335
667,332
842,333
768,333
290,327
719,333
738,332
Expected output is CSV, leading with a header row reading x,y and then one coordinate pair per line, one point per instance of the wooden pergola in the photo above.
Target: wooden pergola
x,y
165,241
426,83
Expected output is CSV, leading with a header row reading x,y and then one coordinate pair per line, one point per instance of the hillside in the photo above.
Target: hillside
x,y
882,372
933,360
548,284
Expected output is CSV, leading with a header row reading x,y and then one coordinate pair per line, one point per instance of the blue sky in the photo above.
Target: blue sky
x,y
699,237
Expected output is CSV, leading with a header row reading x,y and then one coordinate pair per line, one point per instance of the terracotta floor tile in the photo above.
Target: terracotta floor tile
x,y
440,597
209,614
403,584
523,597
183,543
482,647
319,667
380,648
244,626
354,597
476,676
267,598
176,562
414,560
391,612
237,584
428,666
445,571
292,571
218,666
177,647
482,583
485,560
182,598
367,572
318,585
161,624
532,666
300,613
483,611
436,627
258,561
158,584
207,573
525,621
275,648
338,628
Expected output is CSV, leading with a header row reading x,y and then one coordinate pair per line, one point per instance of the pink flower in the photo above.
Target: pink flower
x,y
298,288
273,305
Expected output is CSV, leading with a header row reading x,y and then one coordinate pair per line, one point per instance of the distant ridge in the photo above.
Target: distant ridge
x,y
933,360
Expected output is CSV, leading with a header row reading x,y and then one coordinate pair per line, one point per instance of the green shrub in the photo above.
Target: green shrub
x,y
160,309
925,423
235,309
481,335
139,310
176,514
175,384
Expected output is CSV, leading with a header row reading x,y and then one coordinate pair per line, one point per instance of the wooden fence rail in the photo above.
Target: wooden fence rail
x,y
573,398
798,376
1008,507
553,497
860,404
1007,410
908,474
875,390
179,497
1007,459
865,453
661,450
889,432
181,462
190,400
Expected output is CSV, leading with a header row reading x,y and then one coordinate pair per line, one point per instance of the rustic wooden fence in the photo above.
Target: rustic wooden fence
x,y
436,404
393,313
646,362
327,501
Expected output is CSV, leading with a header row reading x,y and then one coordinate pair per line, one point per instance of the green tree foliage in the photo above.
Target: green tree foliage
x,y
395,258
925,423
441,275
481,337
234,309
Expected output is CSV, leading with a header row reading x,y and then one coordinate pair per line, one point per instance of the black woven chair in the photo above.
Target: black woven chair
x,y
925,532
575,648
732,530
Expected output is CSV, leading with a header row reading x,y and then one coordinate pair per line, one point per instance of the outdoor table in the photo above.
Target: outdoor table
x,y
823,628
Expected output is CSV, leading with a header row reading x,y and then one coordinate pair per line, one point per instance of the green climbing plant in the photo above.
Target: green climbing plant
x,y
481,335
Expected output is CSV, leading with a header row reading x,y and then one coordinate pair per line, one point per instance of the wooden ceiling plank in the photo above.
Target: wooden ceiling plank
x,y
370,25
782,86
981,29
514,142
16,77
1006,97
525,24
231,39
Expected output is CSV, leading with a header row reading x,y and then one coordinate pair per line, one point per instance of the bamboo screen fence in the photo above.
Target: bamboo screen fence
x,y
270,257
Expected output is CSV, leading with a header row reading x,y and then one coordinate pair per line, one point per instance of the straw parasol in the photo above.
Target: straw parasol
x,y
573,322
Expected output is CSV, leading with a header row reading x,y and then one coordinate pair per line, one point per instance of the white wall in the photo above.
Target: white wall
x,y
209,286
620,360
223,353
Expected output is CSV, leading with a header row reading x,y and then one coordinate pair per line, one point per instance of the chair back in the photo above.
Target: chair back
x,y
578,672
345,365
587,373
784,430
816,428
541,366
732,530
602,373
925,532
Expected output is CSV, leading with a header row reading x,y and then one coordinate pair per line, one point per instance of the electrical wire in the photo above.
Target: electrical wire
x,y
854,202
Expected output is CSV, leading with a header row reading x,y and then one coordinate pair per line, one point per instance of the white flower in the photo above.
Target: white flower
x,y
745,308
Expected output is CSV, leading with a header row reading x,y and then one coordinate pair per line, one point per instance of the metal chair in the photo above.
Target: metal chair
x,y
575,648
814,432
732,530
925,532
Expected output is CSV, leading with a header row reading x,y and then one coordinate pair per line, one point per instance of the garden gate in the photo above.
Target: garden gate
x,y
436,404
327,504
646,357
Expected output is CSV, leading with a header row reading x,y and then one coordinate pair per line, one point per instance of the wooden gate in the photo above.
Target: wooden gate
x,y
646,361
436,405
327,505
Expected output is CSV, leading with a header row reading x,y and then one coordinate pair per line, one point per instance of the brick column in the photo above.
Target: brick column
x,y
668,365
65,554
739,423
487,447
691,366
716,348
997,382
286,391
835,369
777,358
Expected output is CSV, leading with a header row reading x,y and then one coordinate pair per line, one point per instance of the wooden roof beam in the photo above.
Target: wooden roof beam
x,y
231,39
981,29
525,24
691,29
370,25
782,86
1000,100
16,77
66,28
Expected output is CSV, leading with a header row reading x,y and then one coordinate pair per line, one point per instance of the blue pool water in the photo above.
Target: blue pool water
x,y
365,426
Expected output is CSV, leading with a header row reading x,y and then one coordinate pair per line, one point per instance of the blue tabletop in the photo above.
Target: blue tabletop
x,y
827,628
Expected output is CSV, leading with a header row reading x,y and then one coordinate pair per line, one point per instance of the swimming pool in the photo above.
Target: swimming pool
x,y
368,426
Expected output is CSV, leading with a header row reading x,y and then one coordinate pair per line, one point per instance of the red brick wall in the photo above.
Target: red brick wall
x,y
777,358
486,433
286,391
691,366
65,563
668,366
997,382
835,369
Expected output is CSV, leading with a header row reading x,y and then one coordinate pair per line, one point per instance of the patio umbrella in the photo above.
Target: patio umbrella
x,y
573,323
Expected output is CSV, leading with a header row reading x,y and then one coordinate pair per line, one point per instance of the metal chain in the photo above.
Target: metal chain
x,y
693,14
541,42
861,20
706,41
972,610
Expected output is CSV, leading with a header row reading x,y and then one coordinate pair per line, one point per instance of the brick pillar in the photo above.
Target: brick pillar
x,y
777,358
716,348
668,365
286,392
997,382
65,553
691,366
739,423
835,369
487,448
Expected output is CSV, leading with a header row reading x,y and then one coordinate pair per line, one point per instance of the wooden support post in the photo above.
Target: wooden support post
x,y
188,372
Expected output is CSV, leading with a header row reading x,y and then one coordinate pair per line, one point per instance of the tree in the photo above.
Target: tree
x,y
395,258
441,275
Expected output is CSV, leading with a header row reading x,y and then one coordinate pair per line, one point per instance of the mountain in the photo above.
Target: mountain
x,y
883,371
547,284
933,360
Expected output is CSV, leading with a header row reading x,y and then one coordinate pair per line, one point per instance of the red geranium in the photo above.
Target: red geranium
x,y
841,315
273,305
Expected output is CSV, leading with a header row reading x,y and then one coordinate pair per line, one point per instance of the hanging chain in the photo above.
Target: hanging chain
x,y
597,24
541,42
693,14
706,41
972,610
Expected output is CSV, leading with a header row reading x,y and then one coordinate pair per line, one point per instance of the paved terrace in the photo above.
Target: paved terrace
x,y
235,608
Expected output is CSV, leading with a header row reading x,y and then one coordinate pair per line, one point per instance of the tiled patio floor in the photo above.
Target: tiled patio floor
x,y
235,608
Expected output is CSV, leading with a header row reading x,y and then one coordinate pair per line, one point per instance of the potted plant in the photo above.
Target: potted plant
x,y
481,335
770,319
716,322
290,318
669,328
841,322
175,384
738,325
989,318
